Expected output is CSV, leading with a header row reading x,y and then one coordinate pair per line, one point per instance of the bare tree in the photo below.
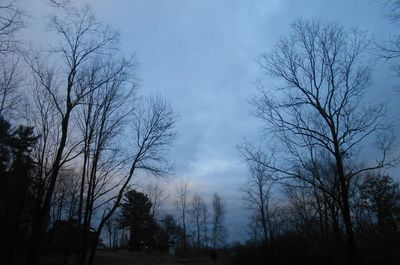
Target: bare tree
x,y
380,201
157,196
10,84
151,134
102,115
257,195
65,196
112,230
317,106
218,227
181,202
391,49
197,211
43,118
204,214
82,41
11,22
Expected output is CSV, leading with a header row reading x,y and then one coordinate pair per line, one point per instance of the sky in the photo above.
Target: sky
x,y
201,55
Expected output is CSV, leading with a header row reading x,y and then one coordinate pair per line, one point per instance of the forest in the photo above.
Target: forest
x,y
76,132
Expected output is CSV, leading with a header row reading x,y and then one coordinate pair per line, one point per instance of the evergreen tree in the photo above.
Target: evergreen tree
x,y
135,215
16,171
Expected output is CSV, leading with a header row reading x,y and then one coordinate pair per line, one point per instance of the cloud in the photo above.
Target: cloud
x,y
201,55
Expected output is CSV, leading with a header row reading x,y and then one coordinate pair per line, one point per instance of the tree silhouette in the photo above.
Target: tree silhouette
x,y
16,171
169,232
381,196
218,232
136,216
316,107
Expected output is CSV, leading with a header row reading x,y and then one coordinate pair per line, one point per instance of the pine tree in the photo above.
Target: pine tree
x,y
135,215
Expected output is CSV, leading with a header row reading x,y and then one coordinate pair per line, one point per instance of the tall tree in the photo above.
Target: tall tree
x,y
65,196
136,216
12,21
170,232
182,207
103,113
150,135
218,232
157,196
82,41
317,106
16,171
380,195
257,195
204,221
197,212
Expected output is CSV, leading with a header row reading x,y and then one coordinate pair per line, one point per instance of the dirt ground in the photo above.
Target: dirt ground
x,y
134,258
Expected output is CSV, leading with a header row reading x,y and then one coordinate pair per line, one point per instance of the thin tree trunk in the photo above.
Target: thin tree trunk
x,y
262,212
40,217
351,248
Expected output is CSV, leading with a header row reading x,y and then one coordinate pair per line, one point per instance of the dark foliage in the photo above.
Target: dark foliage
x,y
169,233
16,178
375,212
135,215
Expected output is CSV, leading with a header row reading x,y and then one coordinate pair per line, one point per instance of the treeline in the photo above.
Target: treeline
x,y
74,132
318,189
295,222
140,226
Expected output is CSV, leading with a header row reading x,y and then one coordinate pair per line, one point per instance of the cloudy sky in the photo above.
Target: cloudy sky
x,y
201,55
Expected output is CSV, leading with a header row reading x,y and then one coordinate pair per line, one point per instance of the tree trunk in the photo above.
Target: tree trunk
x,y
352,250
198,232
43,212
94,248
262,212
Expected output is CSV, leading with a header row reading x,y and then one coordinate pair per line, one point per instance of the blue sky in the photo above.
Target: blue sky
x,y
201,55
